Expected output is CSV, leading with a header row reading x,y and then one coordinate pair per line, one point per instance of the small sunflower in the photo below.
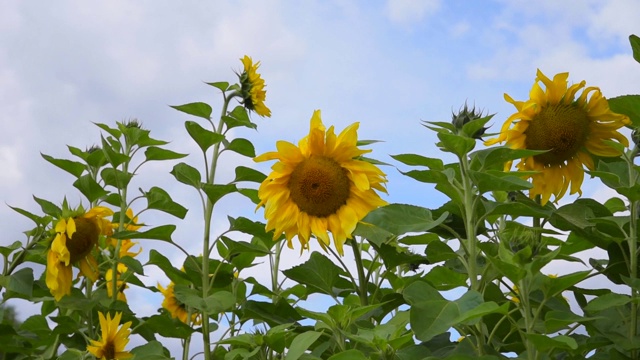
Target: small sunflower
x,y
252,88
572,130
75,238
320,185
113,340
176,308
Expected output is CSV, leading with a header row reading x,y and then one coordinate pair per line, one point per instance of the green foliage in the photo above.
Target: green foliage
x,y
476,266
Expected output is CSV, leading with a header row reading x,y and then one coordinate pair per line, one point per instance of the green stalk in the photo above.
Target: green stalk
x,y
275,265
362,280
208,214
633,252
470,225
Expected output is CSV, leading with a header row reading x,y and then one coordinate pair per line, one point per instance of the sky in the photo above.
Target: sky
x,y
389,65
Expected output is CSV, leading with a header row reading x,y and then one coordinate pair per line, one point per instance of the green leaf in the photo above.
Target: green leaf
x,y
561,283
198,109
238,117
555,321
301,343
110,150
133,264
175,275
157,233
318,273
48,207
351,354
494,158
113,132
273,314
215,191
153,350
187,174
546,343
615,205
419,160
90,188
432,315
116,178
167,327
628,105
242,147
72,354
443,278
222,85
37,219
242,247
394,256
216,303
474,126
6,250
155,153
72,167
456,144
203,137
635,46
21,282
607,301
496,180
251,194
247,174
401,218
159,199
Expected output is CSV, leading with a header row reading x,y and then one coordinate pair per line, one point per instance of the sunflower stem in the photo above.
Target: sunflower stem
x,y
275,265
362,280
633,251
208,214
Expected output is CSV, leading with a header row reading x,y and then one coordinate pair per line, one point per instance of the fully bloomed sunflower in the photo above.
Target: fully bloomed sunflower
x,y
76,236
177,309
252,88
113,340
572,130
320,186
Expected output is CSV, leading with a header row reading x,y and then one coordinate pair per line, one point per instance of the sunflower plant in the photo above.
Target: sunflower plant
x,y
474,278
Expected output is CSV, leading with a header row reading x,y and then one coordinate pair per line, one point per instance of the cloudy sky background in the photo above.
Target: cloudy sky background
x,y
387,64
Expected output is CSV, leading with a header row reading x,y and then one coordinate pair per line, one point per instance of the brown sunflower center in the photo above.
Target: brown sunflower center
x,y
319,186
562,129
84,239
109,350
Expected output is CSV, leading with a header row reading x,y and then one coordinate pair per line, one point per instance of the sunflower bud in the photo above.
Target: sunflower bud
x,y
464,116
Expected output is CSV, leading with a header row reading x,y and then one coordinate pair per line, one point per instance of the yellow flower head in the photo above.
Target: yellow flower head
x,y
572,130
320,186
252,88
113,340
177,309
75,238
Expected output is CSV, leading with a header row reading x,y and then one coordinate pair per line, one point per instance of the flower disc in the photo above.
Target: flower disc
x,y
561,129
84,239
319,186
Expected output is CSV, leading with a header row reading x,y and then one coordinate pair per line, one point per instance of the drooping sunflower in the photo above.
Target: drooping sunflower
x,y
252,88
572,130
320,186
113,340
177,309
76,236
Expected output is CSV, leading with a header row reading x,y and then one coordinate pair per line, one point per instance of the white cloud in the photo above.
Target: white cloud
x,y
411,11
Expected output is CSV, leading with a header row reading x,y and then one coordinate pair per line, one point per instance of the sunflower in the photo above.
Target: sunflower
x,y
125,247
252,88
176,308
113,340
572,130
320,186
75,238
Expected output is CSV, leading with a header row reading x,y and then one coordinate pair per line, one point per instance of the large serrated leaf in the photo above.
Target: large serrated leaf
x,y
198,109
